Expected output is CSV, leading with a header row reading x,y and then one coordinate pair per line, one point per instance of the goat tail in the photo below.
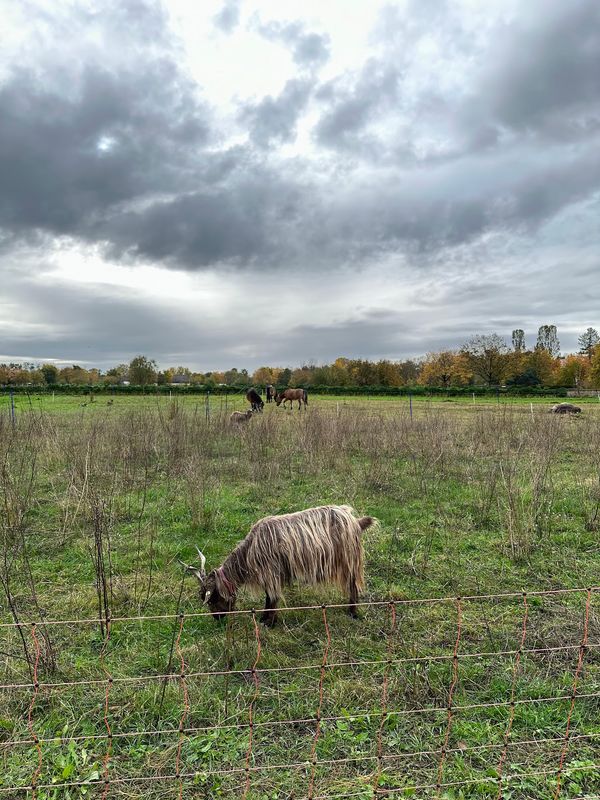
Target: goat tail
x,y
366,522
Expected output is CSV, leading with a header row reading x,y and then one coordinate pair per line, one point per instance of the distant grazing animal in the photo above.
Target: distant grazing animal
x,y
319,545
300,395
240,417
270,392
255,400
565,408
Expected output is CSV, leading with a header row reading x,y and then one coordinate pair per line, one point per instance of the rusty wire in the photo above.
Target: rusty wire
x,y
362,604
513,688
318,720
330,665
581,656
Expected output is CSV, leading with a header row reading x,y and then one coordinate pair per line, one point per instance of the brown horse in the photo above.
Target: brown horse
x,y
292,394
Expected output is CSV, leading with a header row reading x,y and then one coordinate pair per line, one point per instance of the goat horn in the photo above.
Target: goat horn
x,y
202,559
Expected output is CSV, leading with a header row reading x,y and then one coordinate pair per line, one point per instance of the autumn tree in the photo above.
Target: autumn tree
x,y
74,375
485,356
142,371
116,374
387,373
588,341
263,376
446,368
303,376
574,371
595,367
548,340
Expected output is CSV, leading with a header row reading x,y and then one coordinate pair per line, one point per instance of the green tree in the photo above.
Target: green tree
x,y
283,379
50,373
587,341
142,371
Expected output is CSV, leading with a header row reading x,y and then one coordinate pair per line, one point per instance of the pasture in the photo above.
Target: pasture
x,y
475,499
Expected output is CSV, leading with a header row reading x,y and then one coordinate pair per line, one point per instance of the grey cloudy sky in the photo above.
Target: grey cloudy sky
x,y
250,182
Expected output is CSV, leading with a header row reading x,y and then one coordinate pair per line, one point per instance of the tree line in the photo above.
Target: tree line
x,y
483,360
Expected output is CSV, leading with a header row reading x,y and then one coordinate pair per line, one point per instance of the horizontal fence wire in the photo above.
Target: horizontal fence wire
x,y
299,765
299,668
503,777
283,609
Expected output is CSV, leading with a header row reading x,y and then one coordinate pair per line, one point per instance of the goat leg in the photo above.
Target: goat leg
x,y
269,615
353,600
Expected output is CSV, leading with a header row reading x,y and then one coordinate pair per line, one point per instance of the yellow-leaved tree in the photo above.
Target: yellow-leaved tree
x,y
446,368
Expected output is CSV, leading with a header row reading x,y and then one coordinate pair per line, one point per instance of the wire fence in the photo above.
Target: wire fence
x,y
384,770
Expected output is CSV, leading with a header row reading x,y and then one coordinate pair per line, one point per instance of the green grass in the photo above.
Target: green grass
x,y
480,498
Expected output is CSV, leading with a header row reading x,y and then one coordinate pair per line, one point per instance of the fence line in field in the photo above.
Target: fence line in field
x,y
247,769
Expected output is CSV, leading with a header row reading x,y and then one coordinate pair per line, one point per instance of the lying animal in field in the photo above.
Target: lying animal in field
x,y
255,400
301,395
319,545
565,408
240,417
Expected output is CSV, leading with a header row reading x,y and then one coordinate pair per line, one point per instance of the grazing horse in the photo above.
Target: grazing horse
x,y
270,392
292,394
255,400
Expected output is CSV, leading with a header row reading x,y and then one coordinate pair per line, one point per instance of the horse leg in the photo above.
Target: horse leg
x,y
353,597
269,615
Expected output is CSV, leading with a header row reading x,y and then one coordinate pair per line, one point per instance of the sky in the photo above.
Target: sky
x,y
219,184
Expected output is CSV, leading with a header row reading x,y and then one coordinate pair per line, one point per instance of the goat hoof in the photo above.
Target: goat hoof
x,y
268,620
353,613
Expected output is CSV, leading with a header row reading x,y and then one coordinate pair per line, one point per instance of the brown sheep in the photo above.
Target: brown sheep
x,y
565,408
318,545
240,417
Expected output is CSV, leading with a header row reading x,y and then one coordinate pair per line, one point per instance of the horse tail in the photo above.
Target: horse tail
x,y
305,397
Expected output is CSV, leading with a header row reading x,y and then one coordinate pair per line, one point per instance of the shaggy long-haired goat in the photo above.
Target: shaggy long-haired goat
x,y
319,545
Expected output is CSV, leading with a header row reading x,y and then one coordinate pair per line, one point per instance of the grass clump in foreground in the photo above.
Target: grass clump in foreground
x,y
98,505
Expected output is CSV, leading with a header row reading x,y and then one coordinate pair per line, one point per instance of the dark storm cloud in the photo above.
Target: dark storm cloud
x,y
65,158
257,215
545,73
228,17
275,118
308,48
123,153
81,137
